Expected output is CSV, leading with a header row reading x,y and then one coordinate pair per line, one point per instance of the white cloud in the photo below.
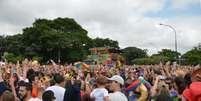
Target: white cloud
x,y
121,20
182,4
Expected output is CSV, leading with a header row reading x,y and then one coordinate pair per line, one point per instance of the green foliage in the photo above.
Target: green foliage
x,y
192,57
150,60
12,57
131,53
51,39
99,42
171,55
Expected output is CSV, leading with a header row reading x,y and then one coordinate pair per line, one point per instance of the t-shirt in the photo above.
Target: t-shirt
x,y
58,92
117,96
99,94
35,99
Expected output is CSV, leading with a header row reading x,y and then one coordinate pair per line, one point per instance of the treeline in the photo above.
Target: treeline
x,y
64,40
61,39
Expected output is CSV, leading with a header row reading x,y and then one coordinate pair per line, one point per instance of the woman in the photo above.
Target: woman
x,y
72,92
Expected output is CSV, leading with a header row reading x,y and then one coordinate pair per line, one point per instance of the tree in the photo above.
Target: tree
x,y
192,57
150,60
171,55
2,46
52,39
131,53
100,42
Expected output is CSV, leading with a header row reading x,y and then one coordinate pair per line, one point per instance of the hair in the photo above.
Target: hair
x,y
163,97
28,86
87,97
48,95
30,75
68,84
187,79
77,83
164,90
7,96
101,80
180,83
73,93
58,78
52,82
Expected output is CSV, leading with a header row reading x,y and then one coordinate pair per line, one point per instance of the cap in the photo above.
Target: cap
x,y
117,78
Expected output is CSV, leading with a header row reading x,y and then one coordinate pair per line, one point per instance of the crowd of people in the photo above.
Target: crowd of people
x,y
30,81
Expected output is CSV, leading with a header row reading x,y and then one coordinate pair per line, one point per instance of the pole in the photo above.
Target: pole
x,y
175,33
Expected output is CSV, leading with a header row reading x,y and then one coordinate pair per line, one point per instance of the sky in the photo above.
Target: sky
x,y
130,22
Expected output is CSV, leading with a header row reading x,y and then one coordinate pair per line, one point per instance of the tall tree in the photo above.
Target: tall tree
x,y
192,57
101,42
52,39
131,53
171,55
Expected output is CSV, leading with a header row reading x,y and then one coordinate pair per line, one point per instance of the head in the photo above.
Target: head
x,y
180,84
68,84
196,75
31,75
59,79
25,90
101,81
163,97
7,96
77,83
48,96
187,79
116,82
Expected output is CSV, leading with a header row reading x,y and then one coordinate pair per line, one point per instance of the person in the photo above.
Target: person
x,y
7,96
48,96
100,93
58,88
39,95
137,91
193,92
25,90
160,90
72,92
116,85
3,86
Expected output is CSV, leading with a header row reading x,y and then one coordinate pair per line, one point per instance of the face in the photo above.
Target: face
x,y
23,92
113,84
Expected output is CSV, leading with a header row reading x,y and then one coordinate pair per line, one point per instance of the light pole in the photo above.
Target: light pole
x,y
174,33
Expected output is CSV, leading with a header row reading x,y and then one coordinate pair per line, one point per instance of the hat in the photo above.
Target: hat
x,y
117,78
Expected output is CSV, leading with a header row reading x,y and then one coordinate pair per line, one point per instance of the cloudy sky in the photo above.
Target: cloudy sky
x,y
130,22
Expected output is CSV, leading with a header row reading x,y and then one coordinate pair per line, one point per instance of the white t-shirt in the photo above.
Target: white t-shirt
x,y
117,96
99,94
35,99
58,92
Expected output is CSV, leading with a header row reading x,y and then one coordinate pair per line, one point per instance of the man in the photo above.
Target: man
x,y
48,96
58,88
25,90
116,83
193,92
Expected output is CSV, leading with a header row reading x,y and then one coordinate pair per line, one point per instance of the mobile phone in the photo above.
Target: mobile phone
x,y
13,70
162,77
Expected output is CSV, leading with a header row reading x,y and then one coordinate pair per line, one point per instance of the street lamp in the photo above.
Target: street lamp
x,y
174,33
